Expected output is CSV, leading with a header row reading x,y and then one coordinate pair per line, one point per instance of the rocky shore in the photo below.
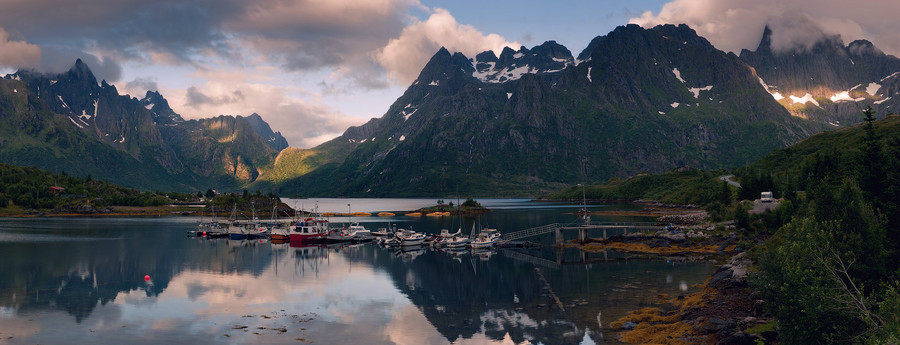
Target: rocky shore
x,y
724,311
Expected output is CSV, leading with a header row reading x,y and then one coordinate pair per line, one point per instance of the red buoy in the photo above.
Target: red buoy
x,y
147,277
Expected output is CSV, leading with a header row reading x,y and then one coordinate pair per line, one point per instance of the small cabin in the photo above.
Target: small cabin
x,y
765,197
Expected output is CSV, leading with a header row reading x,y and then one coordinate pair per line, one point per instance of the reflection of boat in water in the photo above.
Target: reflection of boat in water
x,y
308,256
410,252
274,240
484,254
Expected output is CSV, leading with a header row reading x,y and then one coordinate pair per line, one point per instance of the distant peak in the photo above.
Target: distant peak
x,y
81,71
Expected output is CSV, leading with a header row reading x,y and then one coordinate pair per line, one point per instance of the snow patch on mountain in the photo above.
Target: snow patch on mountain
x,y
777,95
406,116
844,97
63,102
589,74
882,101
675,104
872,88
677,74
76,123
696,90
807,98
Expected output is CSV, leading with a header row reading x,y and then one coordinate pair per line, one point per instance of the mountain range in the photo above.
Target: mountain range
x,y
636,100
827,81
522,123
70,122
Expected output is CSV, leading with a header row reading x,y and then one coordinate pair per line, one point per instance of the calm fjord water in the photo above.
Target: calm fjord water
x,y
81,281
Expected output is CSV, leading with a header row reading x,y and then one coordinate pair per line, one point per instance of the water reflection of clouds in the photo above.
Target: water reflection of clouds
x,y
356,298
7,312
18,328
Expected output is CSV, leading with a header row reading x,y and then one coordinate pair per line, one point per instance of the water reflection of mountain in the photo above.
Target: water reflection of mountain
x,y
461,294
464,294
75,264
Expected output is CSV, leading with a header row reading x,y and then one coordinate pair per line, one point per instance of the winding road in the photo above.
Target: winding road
x,y
727,178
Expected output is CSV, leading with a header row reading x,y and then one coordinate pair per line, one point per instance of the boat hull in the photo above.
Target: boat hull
x,y
482,245
304,238
412,242
280,237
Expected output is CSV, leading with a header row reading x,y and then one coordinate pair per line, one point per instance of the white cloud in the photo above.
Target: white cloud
x,y
403,57
732,25
302,119
17,54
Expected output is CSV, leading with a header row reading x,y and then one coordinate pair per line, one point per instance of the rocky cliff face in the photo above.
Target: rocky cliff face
x,y
828,82
274,139
636,100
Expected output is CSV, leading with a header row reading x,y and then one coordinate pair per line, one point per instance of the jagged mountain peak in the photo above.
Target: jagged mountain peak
x,y
81,72
160,110
441,67
824,80
636,36
547,57
261,127
864,48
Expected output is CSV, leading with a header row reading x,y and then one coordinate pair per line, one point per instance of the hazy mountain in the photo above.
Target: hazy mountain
x,y
70,122
828,81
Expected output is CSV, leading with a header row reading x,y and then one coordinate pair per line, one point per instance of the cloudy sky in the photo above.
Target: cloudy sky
x,y
312,68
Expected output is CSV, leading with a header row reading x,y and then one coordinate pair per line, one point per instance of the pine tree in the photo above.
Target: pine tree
x,y
871,174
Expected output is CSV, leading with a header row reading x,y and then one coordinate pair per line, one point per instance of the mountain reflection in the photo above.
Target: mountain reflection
x,y
77,264
94,271
465,294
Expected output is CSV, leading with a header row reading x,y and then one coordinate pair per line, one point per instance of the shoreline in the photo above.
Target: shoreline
x,y
725,310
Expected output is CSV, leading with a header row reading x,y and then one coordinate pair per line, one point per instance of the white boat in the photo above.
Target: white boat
x,y
381,232
486,238
441,240
457,241
359,233
410,238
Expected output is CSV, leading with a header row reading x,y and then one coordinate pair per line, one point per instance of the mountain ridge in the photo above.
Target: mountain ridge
x,y
98,125
828,81
457,127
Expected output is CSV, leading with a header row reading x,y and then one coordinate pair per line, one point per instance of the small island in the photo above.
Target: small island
x,y
470,206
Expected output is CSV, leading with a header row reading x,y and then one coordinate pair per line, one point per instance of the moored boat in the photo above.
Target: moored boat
x,y
486,238
309,230
410,238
